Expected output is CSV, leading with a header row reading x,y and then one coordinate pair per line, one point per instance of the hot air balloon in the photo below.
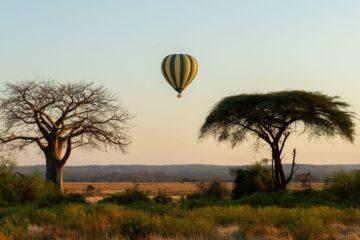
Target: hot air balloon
x,y
179,70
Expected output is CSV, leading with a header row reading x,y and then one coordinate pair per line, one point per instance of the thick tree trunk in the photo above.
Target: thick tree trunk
x,y
54,170
280,178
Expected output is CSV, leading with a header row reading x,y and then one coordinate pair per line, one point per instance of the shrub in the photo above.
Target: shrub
x,y
308,228
198,203
15,226
129,196
162,198
7,191
16,188
256,200
60,198
344,184
352,200
32,188
191,226
204,202
255,178
151,207
215,189
137,226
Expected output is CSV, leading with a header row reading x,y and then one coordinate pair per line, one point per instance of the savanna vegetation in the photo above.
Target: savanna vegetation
x,y
60,117
211,213
271,118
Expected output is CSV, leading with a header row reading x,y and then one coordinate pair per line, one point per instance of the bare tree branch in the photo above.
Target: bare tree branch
x,y
61,116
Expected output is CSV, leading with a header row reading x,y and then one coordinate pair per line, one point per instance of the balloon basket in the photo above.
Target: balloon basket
x,y
179,95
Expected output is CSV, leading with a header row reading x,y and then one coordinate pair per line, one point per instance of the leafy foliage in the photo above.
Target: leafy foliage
x,y
16,188
129,196
137,226
273,117
236,116
255,178
344,184
60,198
214,189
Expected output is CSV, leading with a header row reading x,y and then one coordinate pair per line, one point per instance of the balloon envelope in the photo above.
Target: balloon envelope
x,y
179,70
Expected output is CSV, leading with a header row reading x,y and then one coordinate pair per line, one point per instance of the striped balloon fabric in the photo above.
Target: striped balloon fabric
x,y
179,70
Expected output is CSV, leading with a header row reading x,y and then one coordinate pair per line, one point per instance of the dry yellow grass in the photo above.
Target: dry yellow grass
x,y
298,186
172,188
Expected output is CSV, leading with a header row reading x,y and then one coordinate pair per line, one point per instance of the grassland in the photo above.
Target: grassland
x,y
107,221
172,188
285,215
175,189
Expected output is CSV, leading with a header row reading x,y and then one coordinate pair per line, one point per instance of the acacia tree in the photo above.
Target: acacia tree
x,y
273,117
59,117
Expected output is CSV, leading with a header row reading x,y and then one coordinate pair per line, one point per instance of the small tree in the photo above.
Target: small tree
x,y
254,178
59,117
214,189
344,183
273,117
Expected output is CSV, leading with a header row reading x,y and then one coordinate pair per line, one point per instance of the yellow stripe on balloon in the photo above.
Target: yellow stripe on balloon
x,y
177,70
168,72
193,70
164,71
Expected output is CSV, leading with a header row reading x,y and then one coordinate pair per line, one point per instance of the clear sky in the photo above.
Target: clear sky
x,y
241,47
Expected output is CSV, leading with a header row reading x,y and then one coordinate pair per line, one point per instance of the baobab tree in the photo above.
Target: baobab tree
x,y
272,117
59,117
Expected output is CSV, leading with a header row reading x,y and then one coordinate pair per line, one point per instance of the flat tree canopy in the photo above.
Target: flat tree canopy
x,y
273,117
59,117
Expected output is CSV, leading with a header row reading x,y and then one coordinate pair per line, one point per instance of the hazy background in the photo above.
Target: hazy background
x,y
241,46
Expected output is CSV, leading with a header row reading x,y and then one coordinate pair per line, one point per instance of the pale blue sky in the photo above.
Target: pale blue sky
x,y
241,46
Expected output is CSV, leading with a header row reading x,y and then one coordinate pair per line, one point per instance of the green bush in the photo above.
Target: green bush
x,y
129,196
215,189
137,226
256,200
151,207
15,226
60,198
255,178
16,188
308,228
32,188
344,184
353,200
7,191
198,203
204,201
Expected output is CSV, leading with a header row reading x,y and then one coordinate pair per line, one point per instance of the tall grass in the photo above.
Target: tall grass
x,y
103,221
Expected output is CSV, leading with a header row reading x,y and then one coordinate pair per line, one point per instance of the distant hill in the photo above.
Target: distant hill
x,y
162,173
